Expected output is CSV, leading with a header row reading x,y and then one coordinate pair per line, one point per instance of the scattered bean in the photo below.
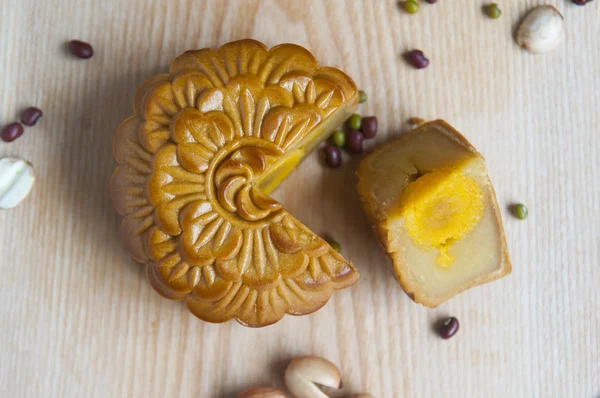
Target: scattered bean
x,y
16,180
362,97
581,2
411,6
520,211
542,29
417,59
81,49
354,122
303,372
493,11
369,127
417,121
333,156
431,1
354,141
339,138
449,328
31,115
334,245
11,132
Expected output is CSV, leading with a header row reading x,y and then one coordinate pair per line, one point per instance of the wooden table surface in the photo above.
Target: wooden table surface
x,y
78,317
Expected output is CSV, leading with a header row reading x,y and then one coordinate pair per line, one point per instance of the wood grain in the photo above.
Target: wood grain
x,y
79,318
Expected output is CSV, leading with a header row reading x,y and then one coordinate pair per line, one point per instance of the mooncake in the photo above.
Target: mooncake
x,y
205,146
434,210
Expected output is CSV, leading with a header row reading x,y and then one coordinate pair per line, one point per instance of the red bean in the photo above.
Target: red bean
x,y
449,328
417,59
431,1
369,127
11,132
81,49
354,141
31,115
580,2
333,156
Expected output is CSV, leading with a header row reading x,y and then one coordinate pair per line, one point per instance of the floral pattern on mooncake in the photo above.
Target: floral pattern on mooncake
x,y
189,160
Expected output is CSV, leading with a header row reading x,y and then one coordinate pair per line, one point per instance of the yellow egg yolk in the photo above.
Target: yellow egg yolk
x,y
440,208
269,180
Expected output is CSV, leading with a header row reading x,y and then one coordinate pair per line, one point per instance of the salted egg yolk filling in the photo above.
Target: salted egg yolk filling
x,y
440,208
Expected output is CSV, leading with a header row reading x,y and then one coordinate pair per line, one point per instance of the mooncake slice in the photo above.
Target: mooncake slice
x,y
433,207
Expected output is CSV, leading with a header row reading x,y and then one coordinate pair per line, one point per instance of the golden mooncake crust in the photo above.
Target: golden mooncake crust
x,y
188,160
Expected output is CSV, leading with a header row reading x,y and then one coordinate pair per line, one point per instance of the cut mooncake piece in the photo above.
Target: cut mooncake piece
x,y
434,210
206,144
